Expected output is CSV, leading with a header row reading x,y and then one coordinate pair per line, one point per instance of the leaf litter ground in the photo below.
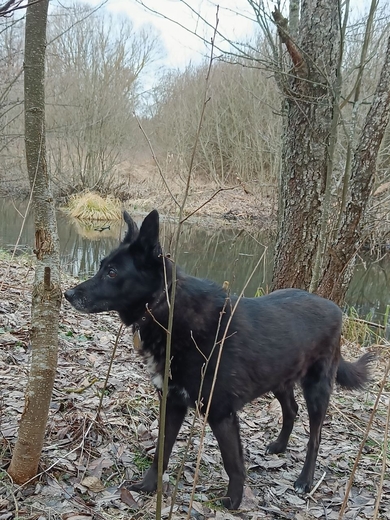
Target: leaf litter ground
x,y
85,461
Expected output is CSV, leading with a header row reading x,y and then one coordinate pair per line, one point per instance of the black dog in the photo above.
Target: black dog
x,y
271,343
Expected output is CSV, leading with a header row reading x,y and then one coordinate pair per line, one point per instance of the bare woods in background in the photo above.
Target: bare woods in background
x,y
94,65
99,68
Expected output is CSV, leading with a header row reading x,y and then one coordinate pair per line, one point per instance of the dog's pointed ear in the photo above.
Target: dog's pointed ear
x,y
149,233
132,229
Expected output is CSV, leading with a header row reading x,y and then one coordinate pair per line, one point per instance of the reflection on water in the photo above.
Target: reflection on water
x,y
82,247
224,254
369,290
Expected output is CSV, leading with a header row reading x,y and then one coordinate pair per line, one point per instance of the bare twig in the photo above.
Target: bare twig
x,y
351,421
236,49
197,347
13,5
25,215
198,409
108,372
207,201
163,404
366,322
218,361
310,495
150,312
350,481
80,20
384,464
80,390
156,161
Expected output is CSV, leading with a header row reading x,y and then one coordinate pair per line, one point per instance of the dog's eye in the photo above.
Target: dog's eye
x,y
111,273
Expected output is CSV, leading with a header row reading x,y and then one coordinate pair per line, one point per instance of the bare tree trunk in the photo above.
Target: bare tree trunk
x,y
293,16
310,103
46,298
337,273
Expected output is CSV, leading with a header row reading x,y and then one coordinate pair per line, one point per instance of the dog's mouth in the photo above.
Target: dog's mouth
x,y
69,295
78,303
82,304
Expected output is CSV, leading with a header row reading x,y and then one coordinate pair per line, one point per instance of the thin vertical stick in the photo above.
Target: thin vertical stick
x,y
163,403
222,342
350,482
384,464
99,408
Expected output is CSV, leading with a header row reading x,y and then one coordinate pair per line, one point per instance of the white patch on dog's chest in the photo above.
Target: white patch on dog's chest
x,y
155,375
151,364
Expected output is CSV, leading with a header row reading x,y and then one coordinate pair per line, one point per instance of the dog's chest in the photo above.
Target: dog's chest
x,y
155,368
153,354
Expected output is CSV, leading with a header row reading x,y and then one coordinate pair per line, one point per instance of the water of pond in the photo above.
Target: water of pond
x,y
219,254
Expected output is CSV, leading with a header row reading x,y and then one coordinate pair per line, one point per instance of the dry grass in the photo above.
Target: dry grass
x,y
363,331
354,329
91,206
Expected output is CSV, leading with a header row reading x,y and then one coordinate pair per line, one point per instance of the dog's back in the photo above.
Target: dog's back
x,y
282,335
267,342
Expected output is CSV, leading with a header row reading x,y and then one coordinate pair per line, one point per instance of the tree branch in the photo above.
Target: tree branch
x,y
13,5
295,55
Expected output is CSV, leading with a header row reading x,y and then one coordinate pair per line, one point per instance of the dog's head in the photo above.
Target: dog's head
x,y
128,278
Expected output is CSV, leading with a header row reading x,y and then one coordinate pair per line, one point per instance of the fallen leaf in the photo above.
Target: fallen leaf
x,y
4,503
93,484
127,498
76,516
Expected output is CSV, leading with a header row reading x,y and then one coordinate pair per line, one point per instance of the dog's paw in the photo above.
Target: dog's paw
x,y
301,486
147,485
140,487
230,504
226,502
275,447
232,500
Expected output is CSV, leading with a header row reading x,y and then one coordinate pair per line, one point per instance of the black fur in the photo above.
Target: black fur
x,y
272,342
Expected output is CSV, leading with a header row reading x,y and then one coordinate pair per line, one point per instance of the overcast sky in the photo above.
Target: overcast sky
x,y
181,46
236,21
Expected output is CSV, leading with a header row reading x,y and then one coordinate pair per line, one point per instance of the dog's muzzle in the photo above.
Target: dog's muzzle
x,y
69,295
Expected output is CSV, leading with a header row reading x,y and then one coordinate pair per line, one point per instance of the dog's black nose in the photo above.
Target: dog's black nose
x,y
69,294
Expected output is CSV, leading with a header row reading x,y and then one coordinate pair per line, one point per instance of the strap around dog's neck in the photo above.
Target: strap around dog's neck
x,y
164,293
145,318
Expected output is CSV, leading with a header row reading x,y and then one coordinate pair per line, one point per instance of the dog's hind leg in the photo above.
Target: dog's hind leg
x,y
317,387
176,411
227,433
289,408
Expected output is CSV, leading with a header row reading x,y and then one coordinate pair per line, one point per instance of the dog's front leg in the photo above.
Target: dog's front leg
x,y
227,433
176,411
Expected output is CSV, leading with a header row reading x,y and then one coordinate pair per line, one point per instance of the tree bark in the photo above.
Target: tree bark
x,y
337,273
46,297
310,104
293,16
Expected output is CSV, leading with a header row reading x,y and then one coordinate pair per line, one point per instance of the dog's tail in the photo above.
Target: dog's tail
x,y
354,375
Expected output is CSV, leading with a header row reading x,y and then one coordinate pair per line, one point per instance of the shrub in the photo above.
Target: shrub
x,y
91,206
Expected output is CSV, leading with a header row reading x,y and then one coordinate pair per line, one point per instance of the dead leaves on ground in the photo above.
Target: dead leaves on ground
x,y
86,461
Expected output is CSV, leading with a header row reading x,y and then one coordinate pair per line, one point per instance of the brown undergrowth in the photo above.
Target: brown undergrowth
x,y
140,188
85,461
237,201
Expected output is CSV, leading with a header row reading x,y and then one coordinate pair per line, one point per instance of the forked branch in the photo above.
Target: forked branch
x,y
295,54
